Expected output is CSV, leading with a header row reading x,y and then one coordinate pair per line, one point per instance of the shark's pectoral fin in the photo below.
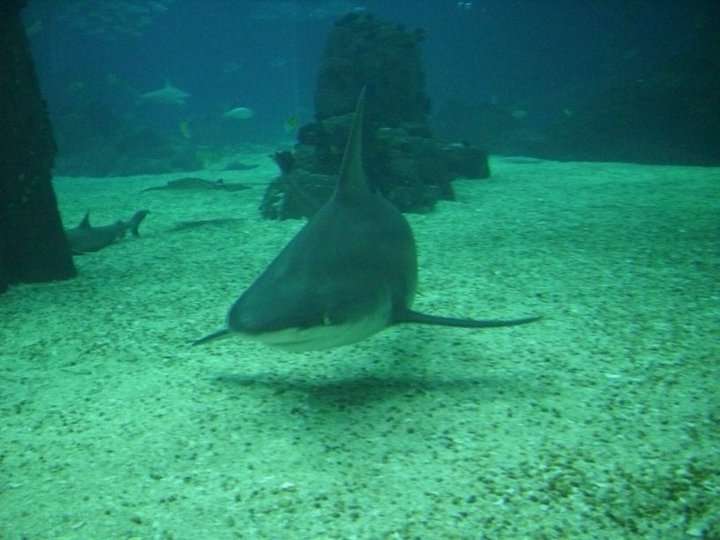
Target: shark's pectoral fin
x,y
410,316
225,332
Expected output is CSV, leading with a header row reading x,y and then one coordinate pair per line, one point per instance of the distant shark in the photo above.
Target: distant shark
x,y
167,95
85,238
350,272
190,183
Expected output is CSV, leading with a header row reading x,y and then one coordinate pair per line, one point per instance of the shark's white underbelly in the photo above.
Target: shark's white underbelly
x,y
329,334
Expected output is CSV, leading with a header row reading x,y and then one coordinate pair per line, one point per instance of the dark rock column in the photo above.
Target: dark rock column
x,y
402,159
32,241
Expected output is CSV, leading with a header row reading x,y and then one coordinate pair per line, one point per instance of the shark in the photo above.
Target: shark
x,y
197,223
198,184
167,95
349,273
85,238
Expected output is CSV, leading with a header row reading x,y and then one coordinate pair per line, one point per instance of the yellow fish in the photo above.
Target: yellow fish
x,y
292,123
184,127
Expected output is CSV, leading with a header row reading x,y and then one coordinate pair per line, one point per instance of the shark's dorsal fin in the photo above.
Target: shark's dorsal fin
x,y
352,182
85,223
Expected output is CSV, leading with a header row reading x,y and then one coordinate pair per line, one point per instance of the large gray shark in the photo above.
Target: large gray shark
x,y
85,238
167,95
350,272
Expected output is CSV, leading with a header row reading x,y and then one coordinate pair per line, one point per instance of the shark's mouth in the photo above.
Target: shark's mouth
x,y
325,336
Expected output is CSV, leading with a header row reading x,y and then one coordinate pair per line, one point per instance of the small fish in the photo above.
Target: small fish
x,y
76,87
231,67
292,122
239,113
184,128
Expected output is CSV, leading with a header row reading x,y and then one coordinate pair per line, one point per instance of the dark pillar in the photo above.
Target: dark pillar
x,y
402,159
32,242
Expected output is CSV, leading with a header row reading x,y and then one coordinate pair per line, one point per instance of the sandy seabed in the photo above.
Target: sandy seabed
x,y
601,421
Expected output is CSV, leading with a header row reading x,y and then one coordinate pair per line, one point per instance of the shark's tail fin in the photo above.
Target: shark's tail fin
x,y
135,221
421,318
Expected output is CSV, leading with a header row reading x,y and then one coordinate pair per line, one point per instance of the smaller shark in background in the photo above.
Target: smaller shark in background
x,y
189,183
85,238
167,95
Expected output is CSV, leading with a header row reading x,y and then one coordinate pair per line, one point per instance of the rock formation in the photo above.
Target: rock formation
x,y
403,160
